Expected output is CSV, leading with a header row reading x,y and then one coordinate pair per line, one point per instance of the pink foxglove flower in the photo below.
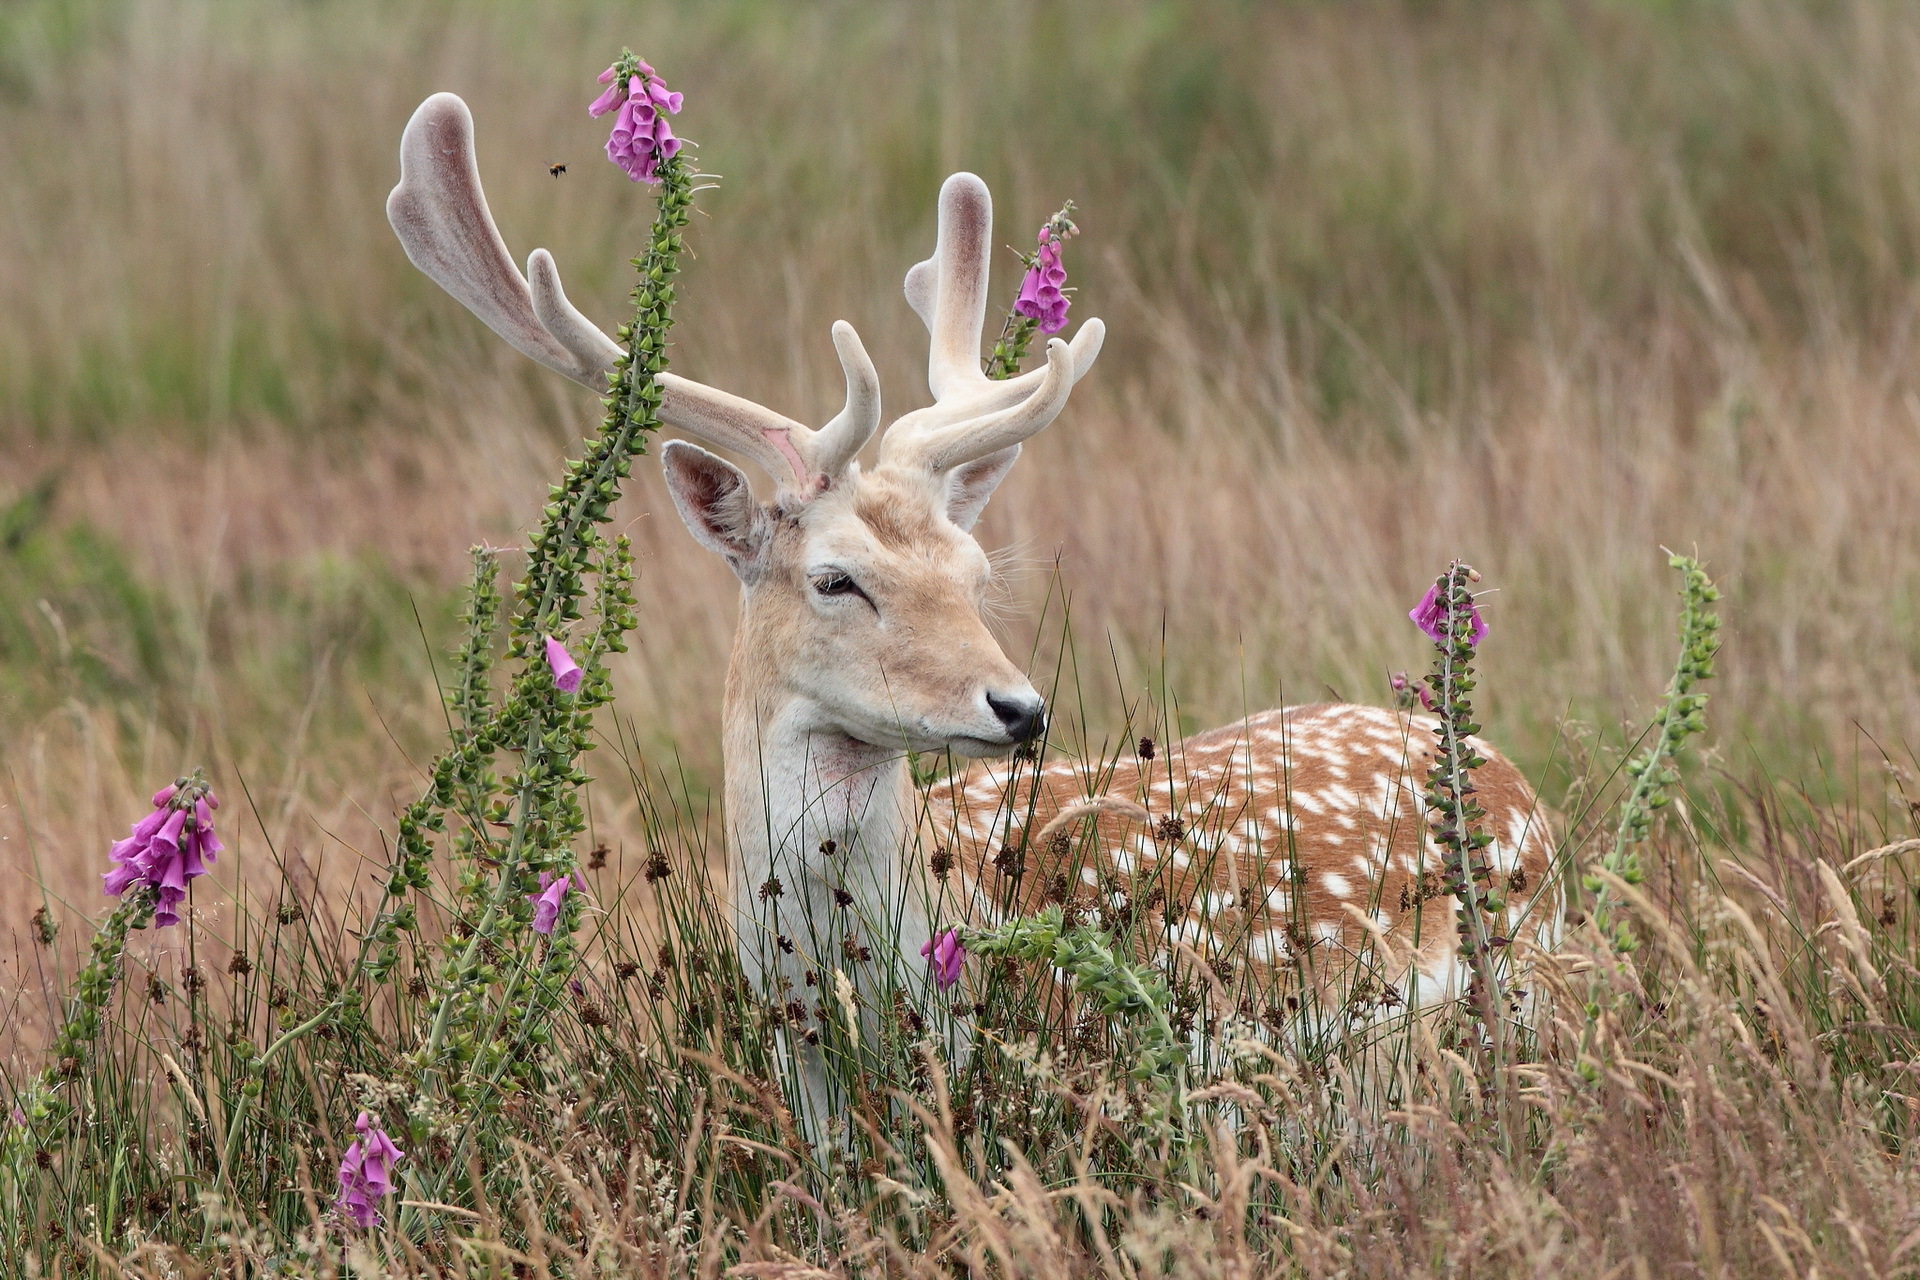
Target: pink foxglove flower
x,y
546,903
366,1174
641,136
566,672
167,849
947,953
614,95
1040,297
1406,691
1430,615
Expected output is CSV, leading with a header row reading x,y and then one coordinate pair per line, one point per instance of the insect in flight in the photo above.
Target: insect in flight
x,y
556,169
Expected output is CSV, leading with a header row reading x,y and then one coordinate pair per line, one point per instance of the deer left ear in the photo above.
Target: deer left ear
x,y
971,484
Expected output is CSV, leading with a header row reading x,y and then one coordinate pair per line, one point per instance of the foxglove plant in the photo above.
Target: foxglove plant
x,y
152,866
514,828
1042,302
1119,988
1682,714
1450,618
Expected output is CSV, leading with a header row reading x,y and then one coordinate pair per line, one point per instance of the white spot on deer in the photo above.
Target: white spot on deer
x,y
1218,902
1265,948
1337,885
1519,830
1327,931
1089,876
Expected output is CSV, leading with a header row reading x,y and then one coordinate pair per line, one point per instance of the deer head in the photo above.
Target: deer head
x,y
863,589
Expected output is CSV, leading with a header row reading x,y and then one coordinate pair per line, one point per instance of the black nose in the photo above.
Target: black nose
x,y
1024,720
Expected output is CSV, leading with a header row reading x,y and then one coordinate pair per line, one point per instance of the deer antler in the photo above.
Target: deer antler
x,y
973,415
440,214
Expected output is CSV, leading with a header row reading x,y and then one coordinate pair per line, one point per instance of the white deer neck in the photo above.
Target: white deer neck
x,y
819,827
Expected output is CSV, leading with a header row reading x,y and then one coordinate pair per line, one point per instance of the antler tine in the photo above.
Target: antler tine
x,y
440,213
813,460
835,444
733,422
940,448
993,396
952,286
557,316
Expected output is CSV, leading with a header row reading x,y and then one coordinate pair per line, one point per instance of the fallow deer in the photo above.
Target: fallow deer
x,y
1296,834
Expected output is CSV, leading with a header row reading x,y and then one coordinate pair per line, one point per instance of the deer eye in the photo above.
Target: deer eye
x,y
837,584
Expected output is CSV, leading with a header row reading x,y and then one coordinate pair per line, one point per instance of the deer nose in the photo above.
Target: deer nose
x,y
1024,716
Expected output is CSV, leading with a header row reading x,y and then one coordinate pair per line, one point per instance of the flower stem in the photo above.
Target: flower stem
x,y
1682,714
1453,812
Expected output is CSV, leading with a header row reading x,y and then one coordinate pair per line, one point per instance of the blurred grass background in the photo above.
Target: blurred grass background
x,y
1542,285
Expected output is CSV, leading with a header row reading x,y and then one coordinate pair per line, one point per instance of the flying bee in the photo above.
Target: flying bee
x,y
556,169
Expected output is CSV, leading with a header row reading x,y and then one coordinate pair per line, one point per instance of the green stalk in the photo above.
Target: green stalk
x,y
1454,813
1682,714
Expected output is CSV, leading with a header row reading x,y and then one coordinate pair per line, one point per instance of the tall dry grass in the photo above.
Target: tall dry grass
x,y
1547,287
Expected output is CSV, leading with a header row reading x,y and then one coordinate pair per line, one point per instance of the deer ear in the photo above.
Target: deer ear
x,y
970,485
714,498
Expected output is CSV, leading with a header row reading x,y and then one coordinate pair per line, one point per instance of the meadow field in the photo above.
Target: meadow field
x,y
1550,287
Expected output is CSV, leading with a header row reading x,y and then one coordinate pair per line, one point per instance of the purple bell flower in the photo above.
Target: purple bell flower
x,y
366,1173
546,903
1430,615
165,851
1040,297
641,137
566,672
947,954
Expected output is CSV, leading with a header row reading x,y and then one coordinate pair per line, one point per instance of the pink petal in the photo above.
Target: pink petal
x,y
566,672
